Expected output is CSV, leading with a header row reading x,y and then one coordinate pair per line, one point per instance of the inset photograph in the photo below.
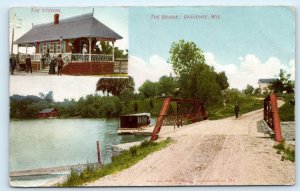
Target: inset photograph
x,y
69,41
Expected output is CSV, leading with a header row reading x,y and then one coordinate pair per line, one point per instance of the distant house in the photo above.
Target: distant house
x,y
48,113
264,83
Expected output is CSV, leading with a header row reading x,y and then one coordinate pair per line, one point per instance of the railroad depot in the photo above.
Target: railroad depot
x,y
77,39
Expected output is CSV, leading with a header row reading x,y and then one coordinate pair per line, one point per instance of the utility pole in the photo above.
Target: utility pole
x,y
14,25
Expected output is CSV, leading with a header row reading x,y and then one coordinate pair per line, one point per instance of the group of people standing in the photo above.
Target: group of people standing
x,y
56,63
14,62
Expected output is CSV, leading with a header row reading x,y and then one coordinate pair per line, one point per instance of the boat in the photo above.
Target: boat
x,y
138,123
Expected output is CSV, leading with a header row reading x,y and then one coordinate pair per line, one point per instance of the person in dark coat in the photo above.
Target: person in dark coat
x,y
43,58
236,109
60,64
53,63
28,64
13,63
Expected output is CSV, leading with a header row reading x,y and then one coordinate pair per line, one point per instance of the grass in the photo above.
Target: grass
x,y
120,162
287,110
286,152
246,104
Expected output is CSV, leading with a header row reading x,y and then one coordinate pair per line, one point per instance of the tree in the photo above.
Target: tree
x,y
249,90
222,80
136,107
200,84
184,56
167,85
283,83
126,96
257,91
115,86
149,89
196,79
106,48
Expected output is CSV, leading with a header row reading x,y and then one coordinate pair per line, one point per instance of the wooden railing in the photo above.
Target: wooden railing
x,y
94,58
68,57
271,115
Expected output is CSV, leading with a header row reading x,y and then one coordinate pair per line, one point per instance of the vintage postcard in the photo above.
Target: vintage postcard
x,y
85,42
152,96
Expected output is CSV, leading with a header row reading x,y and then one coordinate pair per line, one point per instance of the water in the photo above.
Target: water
x,y
47,143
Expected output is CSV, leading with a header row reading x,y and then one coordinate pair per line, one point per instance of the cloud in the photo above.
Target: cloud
x,y
152,70
250,69
210,60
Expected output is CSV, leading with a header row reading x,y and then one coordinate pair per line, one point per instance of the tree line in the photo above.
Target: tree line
x,y
194,79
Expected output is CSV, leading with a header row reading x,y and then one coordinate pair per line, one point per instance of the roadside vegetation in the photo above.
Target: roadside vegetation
x,y
286,152
120,162
287,110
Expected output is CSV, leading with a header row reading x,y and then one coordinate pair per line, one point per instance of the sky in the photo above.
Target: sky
x,y
247,43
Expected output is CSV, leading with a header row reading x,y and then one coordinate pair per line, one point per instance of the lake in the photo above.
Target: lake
x,y
44,143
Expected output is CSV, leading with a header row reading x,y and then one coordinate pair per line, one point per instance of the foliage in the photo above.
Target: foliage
x,y
184,56
287,110
167,85
114,86
249,90
126,96
197,80
106,48
222,80
149,89
257,91
91,106
27,107
287,152
120,162
283,83
246,103
200,84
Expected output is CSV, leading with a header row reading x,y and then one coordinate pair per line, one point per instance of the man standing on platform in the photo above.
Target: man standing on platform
x,y
28,64
13,63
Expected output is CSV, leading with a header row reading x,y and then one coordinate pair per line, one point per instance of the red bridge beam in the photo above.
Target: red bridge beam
x,y
271,115
196,105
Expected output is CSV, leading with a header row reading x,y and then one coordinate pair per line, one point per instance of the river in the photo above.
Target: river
x,y
44,143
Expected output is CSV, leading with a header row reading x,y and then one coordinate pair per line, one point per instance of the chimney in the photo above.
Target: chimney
x,y
56,19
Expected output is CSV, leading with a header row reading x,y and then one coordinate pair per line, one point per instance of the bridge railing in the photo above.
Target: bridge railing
x,y
175,111
271,115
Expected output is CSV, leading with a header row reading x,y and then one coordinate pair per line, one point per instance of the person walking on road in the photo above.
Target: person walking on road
x,y
236,109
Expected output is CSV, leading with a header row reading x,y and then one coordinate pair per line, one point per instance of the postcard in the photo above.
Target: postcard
x,y
152,96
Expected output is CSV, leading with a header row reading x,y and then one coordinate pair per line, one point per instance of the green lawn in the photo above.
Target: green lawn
x,y
287,111
246,104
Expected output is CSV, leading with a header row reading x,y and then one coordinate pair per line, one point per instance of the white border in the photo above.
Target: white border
x,y
4,75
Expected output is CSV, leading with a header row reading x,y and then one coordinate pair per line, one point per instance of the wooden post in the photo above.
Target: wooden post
x,y
90,49
113,51
98,152
26,48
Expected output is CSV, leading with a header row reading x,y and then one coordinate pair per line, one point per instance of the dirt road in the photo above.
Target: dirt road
x,y
221,152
